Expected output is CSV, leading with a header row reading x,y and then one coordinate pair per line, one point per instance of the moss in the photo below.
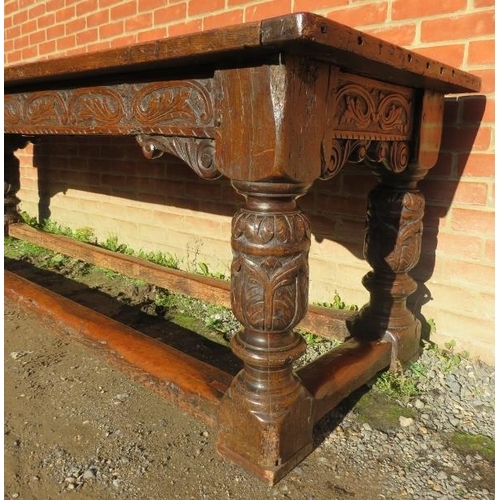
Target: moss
x,y
381,412
196,325
474,443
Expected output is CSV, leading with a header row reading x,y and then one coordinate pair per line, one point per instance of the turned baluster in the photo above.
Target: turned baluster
x,y
265,417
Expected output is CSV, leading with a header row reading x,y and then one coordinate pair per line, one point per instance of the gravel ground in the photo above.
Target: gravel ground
x,y
76,426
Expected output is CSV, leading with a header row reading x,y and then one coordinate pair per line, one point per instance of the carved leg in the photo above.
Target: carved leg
x,y
265,419
392,248
11,183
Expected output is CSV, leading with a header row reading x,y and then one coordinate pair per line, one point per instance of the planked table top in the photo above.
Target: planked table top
x,y
252,43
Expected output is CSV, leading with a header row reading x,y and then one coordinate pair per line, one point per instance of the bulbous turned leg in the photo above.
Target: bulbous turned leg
x,y
11,182
392,248
265,419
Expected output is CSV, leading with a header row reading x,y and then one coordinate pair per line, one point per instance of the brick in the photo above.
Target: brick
x,y
457,139
77,25
10,7
7,23
83,8
87,36
342,205
65,14
267,9
47,48
459,272
197,7
232,3
472,221
151,35
457,27
489,251
201,226
147,5
140,22
477,109
107,3
444,165
8,46
446,192
481,52
472,193
403,9
470,300
349,229
484,3
169,14
36,11
476,165
46,21
224,19
98,19
453,55
13,33
461,246
30,52
53,5
305,5
358,185
55,32
111,30
123,10
204,190
28,27
98,46
123,41
20,17
21,42
364,15
184,28
37,37
68,42
403,35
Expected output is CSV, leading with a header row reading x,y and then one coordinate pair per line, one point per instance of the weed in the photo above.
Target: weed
x,y
205,271
160,258
399,386
338,303
22,250
111,243
448,357
432,326
310,338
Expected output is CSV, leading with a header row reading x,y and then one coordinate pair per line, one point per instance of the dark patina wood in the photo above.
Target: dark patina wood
x,y
274,106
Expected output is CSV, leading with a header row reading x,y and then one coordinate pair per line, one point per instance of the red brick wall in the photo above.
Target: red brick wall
x,y
115,187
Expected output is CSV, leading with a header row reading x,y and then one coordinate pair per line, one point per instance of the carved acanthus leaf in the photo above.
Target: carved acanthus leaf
x,y
393,155
368,110
180,108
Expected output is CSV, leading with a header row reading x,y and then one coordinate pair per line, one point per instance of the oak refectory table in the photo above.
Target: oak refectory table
x,y
273,106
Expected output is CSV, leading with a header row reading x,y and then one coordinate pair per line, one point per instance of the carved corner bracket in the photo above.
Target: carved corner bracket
x,y
198,153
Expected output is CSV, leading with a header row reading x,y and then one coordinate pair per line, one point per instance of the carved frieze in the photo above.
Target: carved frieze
x,y
393,155
371,123
365,109
197,153
182,108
